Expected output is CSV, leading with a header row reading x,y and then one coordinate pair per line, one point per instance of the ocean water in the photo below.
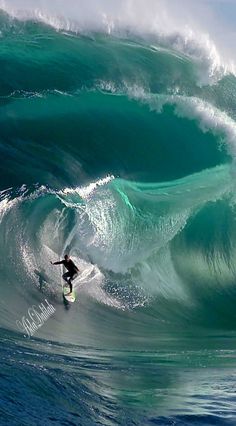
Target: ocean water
x,y
118,147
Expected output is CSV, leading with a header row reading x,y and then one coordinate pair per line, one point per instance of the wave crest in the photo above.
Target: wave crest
x,y
154,24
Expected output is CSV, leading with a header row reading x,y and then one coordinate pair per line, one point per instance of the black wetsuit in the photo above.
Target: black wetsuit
x,y
72,271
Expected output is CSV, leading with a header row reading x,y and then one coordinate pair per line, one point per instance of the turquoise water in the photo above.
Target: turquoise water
x,y
113,150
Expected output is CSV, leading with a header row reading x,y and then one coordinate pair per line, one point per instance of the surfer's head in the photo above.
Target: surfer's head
x,y
66,257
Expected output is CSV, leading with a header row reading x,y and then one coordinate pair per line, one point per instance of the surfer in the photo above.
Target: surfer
x,y
72,270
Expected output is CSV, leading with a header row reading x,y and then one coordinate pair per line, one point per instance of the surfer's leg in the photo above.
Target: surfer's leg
x,y
70,281
70,284
65,276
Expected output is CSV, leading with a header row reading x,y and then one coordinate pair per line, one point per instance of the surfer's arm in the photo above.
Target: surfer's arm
x,y
76,267
72,267
57,263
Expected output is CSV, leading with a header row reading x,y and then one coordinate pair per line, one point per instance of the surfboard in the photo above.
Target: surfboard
x,y
70,298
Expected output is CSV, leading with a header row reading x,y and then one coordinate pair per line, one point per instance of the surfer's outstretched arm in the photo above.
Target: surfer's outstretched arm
x,y
57,263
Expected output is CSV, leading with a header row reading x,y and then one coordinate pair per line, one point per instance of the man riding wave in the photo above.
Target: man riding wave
x,y
72,270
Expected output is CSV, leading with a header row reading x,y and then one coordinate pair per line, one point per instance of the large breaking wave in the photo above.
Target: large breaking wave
x,y
117,146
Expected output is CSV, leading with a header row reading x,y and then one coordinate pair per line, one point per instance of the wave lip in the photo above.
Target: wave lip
x,y
85,191
208,117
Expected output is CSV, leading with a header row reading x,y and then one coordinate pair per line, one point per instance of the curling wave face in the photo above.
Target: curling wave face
x,y
139,246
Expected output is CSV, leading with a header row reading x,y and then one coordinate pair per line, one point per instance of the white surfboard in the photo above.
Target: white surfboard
x,y
68,298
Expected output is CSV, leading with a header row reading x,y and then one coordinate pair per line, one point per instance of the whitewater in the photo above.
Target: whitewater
x,y
118,146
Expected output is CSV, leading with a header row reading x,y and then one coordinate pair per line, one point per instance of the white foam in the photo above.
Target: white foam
x,y
208,117
85,191
7,203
